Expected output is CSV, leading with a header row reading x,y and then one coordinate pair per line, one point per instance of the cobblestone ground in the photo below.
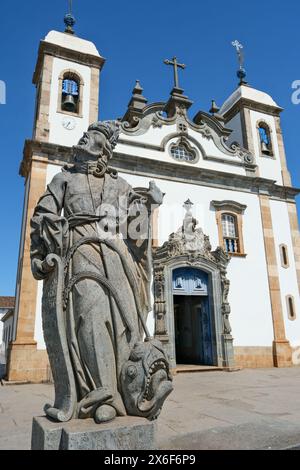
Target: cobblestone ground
x,y
249,409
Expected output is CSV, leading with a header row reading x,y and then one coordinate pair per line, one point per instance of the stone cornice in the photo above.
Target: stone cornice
x,y
64,53
250,104
50,153
229,205
133,164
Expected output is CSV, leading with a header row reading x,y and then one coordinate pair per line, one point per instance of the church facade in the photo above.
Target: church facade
x,y
228,296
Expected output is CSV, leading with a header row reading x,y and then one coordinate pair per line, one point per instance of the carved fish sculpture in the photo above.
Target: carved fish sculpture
x,y
146,380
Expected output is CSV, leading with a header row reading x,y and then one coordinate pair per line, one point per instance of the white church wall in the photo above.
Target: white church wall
x,y
287,276
251,316
236,126
153,136
52,170
58,134
269,167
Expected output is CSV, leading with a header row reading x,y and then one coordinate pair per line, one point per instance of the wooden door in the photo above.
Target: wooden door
x,y
192,330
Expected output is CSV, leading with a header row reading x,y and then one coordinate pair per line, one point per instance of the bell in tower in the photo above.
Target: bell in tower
x,y
265,140
70,95
264,148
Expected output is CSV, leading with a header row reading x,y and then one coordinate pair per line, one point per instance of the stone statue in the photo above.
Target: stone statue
x,y
90,244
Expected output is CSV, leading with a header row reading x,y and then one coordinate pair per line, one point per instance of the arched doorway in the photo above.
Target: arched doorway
x,y
191,307
193,322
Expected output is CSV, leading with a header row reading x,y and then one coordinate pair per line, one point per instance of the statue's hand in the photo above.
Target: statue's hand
x,y
155,195
41,269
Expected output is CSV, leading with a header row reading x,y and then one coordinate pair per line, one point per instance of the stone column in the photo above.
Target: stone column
x,y
94,97
25,363
293,217
286,177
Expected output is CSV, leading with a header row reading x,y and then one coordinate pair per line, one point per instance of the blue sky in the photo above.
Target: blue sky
x,y
135,37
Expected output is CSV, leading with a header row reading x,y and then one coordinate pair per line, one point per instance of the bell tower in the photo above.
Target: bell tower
x,y
66,77
67,82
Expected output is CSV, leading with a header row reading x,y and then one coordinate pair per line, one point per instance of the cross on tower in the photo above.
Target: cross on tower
x,y
241,72
69,19
239,47
176,65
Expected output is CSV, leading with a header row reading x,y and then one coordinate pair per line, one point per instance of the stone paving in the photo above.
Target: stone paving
x,y
248,409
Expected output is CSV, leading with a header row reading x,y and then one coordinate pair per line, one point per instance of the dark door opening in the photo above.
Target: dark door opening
x,y
193,339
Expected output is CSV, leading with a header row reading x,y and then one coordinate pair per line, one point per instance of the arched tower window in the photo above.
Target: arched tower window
x,y
70,92
230,233
265,139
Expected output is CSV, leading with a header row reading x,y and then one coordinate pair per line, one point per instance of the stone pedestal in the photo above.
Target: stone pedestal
x,y
126,433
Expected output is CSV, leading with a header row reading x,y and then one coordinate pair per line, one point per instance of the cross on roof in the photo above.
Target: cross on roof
x,y
239,47
69,19
176,65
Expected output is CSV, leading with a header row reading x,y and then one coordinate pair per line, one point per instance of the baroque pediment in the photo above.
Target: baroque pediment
x,y
141,119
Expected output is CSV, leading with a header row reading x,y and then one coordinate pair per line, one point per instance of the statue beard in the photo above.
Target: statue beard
x,y
84,155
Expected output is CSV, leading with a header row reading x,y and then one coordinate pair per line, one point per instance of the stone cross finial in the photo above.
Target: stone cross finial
x,y
241,72
239,47
69,19
188,205
176,65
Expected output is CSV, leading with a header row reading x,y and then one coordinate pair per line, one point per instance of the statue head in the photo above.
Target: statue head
x,y
98,143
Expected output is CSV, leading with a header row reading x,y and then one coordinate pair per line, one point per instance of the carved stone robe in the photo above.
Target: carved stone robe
x,y
106,280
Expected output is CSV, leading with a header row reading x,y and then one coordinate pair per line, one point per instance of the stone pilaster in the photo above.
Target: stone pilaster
x,y
247,133
94,95
282,353
293,217
42,125
286,177
24,361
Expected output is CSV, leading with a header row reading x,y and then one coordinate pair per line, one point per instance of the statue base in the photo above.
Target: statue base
x,y
125,433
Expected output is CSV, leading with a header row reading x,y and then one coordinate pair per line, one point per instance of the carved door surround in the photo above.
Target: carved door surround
x,y
192,251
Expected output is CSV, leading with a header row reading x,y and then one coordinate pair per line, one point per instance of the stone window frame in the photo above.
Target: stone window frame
x,y
185,143
266,125
74,75
236,210
291,308
284,263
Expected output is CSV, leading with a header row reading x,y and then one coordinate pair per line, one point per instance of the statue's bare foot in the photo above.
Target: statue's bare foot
x,y
104,414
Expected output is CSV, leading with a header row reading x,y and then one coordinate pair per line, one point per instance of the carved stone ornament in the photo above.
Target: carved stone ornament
x,y
190,246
